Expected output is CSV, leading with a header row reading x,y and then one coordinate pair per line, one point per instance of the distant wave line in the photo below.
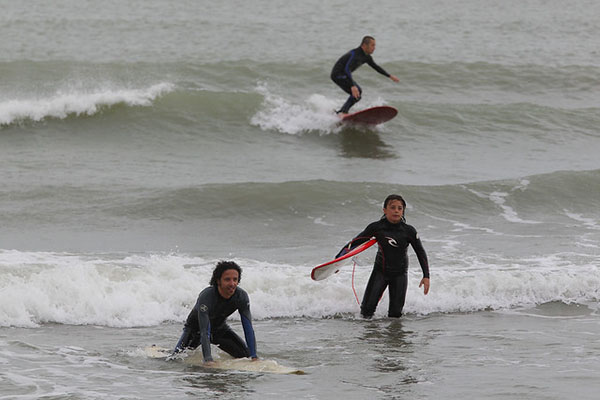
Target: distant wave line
x,y
63,104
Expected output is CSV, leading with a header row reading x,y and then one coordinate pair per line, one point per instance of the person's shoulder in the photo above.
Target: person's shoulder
x,y
208,291
409,228
241,298
241,293
375,225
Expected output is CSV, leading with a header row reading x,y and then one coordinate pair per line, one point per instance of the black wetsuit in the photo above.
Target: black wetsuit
x,y
206,324
391,263
341,73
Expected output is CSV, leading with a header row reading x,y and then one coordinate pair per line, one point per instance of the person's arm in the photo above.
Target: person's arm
x,y
202,306
246,318
347,69
361,238
422,257
376,67
382,71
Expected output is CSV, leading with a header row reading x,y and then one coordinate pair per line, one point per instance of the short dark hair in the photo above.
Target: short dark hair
x,y
394,197
367,40
221,267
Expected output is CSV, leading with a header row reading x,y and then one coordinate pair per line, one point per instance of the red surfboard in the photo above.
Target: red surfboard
x,y
371,116
332,267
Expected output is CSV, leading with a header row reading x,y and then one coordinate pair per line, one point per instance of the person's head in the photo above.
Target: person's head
x,y
393,208
368,44
226,277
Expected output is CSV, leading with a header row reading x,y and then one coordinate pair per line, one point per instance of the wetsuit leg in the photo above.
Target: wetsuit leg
x,y
345,84
230,342
373,292
397,292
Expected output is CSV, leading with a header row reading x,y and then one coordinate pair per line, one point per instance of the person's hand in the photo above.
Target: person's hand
x,y
355,92
394,78
425,282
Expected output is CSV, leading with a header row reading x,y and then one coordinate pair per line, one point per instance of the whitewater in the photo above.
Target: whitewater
x,y
142,142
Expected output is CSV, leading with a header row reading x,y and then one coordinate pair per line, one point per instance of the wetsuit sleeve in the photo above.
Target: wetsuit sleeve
x,y
202,305
420,251
361,238
246,318
377,67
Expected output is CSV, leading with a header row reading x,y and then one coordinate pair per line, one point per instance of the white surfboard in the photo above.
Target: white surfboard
x,y
233,364
327,269
155,351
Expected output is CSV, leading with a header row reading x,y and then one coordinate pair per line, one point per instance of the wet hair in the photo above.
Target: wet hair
x,y
221,267
367,40
392,197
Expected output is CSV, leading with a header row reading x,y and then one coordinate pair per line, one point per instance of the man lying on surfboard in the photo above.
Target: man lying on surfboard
x,y
341,73
207,324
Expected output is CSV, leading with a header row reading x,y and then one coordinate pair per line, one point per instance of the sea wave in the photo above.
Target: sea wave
x,y
63,104
537,196
150,289
299,97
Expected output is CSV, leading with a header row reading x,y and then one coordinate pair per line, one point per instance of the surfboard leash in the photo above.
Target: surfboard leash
x,y
353,288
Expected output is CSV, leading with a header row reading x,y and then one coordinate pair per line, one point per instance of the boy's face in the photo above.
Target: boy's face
x,y
394,211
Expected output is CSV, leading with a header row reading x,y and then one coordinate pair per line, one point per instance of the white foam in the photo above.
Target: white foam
x,y
587,222
315,113
75,289
146,290
77,102
320,221
499,198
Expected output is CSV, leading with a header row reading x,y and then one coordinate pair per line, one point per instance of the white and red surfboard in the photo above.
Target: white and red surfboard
x,y
327,269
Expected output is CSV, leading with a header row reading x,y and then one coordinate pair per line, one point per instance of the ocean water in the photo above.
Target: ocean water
x,y
141,142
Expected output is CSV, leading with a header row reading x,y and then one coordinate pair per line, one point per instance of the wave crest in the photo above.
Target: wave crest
x,y
76,102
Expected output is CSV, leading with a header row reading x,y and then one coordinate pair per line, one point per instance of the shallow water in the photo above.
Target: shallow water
x,y
541,353
147,140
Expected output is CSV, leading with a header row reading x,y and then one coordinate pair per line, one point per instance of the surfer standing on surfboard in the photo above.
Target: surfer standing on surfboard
x,y
206,323
393,236
341,73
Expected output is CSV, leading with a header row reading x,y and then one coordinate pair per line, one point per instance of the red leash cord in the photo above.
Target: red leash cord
x,y
353,289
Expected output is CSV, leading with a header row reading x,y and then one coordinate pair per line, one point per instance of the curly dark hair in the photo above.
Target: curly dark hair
x,y
221,267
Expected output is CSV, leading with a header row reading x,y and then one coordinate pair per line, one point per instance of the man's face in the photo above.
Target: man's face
x,y
369,48
228,283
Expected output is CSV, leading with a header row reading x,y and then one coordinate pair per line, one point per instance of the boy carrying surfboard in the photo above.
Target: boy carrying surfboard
x,y
390,270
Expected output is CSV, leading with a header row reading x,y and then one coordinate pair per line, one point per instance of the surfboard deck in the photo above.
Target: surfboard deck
x,y
233,364
329,268
371,116
157,352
